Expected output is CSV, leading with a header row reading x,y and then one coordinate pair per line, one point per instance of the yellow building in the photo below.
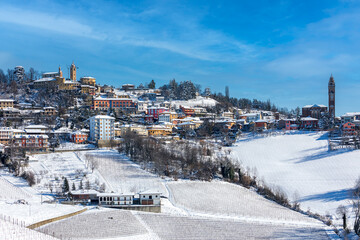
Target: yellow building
x,y
6,103
88,81
159,131
87,89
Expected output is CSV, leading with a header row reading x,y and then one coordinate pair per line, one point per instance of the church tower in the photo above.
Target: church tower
x,y
331,88
60,72
73,72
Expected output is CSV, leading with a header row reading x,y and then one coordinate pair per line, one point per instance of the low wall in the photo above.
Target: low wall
x,y
147,208
39,224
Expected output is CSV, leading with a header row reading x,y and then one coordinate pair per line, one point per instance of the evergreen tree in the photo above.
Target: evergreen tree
x,y
73,187
151,85
81,185
66,186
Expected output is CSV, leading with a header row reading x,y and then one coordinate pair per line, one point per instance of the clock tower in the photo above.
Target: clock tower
x,y
331,88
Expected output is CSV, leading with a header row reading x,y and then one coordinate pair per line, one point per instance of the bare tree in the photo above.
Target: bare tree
x,y
342,211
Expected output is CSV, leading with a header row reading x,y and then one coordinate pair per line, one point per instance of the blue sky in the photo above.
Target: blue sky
x,y
279,50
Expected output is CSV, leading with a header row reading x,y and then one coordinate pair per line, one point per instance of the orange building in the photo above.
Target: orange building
x,y
106,103
78,137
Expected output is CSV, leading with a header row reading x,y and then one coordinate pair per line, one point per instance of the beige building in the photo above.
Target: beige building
x,y
6,134
88,81
6,103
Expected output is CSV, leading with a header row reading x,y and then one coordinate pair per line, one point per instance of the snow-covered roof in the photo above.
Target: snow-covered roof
x,y
87,77
48,79
48,73
261,121
36,127
31,136
314,105
114,194
103,117
186,123
84,192
351,114
6,100
110,99
308,119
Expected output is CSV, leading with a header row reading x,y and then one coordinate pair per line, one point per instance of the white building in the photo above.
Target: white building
x,y
102,128
150,198
6,134
113,199
142,106
350,117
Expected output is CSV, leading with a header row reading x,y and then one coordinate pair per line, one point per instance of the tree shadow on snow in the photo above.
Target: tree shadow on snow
x,y
336,196
300,233
323,154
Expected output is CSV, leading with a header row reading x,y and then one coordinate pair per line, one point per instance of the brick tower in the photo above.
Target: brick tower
x,y
73,72
331,88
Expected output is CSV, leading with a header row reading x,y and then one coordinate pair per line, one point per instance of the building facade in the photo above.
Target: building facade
x,y
102,128
6,103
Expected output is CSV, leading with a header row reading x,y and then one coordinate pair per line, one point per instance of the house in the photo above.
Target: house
x,y
228,115
288,124
142,106
188,111
261,125
349,129
31,143
138,129
49,111
6,134
84,195
158,130
251,117
78,137
150,197
167,116
350,117
6,103
88,81
314,111
309,123
102,128
156,111
88,89
105,104
115,199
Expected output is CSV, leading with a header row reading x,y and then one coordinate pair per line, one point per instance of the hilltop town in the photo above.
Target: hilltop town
x,y
77,142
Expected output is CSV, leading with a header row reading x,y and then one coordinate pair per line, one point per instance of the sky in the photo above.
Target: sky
x,y
284,51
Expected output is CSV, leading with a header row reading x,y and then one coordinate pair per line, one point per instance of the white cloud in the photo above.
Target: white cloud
x,y
49,22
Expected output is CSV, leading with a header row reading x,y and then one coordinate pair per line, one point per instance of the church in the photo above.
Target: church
x,y
316,110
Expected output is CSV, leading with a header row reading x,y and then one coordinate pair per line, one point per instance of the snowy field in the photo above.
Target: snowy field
x,y
51,168
10,231
118,224
229,200
170,227
96,224
302,166
122,175
16,188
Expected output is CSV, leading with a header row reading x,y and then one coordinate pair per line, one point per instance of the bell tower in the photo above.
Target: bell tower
x,y
73,72
331,88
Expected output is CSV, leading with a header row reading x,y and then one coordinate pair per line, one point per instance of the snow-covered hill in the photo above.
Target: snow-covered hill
x,y
302,166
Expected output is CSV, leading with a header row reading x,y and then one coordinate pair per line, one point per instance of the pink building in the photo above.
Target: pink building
x,y
290,124
155,111
309,123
